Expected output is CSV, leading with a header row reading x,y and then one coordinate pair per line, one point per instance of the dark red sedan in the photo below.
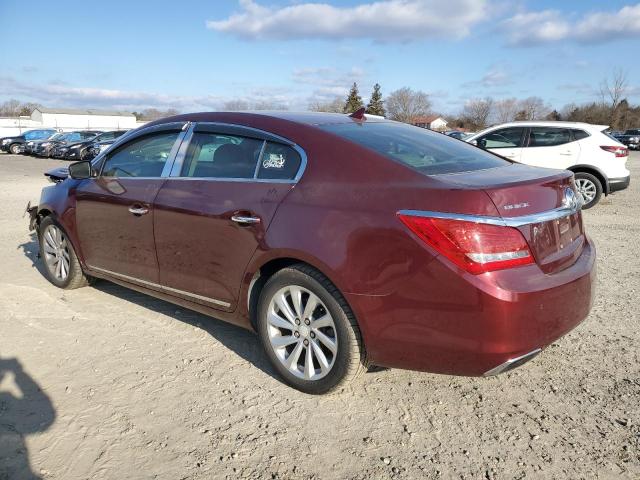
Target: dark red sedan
x,y
342,240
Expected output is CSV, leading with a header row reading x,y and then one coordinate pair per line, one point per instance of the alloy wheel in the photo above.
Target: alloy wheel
x,y
302,332
56,252
587,189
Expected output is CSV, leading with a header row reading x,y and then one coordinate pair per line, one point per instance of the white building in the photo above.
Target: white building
x,y
72,119
432,122
65,119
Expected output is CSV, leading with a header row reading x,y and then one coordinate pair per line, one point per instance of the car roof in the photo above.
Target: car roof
x,y
552,123
305,118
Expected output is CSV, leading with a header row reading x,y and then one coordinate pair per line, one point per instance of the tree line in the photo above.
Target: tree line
x,y
405,104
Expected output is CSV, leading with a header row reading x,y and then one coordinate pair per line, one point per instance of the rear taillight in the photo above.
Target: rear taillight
x,y
476,247
617,151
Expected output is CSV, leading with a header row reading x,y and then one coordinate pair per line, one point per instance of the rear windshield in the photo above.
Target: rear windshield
x,y
428,152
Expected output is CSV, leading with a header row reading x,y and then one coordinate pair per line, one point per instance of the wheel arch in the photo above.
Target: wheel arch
x,y
596,172
267,267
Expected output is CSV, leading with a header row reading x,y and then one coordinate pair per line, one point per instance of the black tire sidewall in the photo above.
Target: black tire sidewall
x,y
596,182
288,277
47,221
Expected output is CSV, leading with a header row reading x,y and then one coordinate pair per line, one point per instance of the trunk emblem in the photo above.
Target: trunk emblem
x,y
516,205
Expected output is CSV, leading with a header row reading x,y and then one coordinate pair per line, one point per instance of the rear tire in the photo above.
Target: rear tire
x,y
589,187
61,264
313,341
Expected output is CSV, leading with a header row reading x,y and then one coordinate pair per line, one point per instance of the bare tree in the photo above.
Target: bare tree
x,y
236,105
268,105
405,104
532,108
334,106
16,108
505,110
476,112
615,90
154,114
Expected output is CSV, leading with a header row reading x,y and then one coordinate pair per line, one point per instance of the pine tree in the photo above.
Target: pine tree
x,y
354,100
376,104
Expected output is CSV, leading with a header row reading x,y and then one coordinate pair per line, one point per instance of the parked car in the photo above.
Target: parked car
x,y
95,148
53,147
630,138
79,150
457,134
16,144
342,241
597,160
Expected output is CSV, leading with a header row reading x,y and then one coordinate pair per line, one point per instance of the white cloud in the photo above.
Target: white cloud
x,y
496,76
61,94
534,28
384,20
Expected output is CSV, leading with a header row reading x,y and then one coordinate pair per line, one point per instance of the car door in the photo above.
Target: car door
x,y
550,147
114,210
213,211
506,142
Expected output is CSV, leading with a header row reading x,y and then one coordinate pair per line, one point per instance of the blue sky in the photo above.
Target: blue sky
x,y
198,55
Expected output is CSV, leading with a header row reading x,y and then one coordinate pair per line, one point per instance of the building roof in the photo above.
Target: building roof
x,y
427,119
73,111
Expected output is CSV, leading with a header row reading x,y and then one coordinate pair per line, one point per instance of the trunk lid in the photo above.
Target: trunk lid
x,y
522,194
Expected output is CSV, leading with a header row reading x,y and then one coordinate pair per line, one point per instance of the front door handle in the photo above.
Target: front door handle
x,y
245,219
138,210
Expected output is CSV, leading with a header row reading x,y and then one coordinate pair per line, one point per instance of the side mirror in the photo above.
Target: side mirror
x,y
80,170
482,143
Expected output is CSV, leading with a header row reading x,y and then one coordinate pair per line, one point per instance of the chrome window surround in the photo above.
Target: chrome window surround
x,y
541,217
176,169
176,158
134,135
161,288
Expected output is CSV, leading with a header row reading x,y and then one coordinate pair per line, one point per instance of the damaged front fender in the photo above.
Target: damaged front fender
x,y
33,216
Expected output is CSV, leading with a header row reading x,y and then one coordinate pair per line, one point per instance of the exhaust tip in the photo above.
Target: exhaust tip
x,y
512,363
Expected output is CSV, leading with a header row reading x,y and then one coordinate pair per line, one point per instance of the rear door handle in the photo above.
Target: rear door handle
x,y
138,210
245,219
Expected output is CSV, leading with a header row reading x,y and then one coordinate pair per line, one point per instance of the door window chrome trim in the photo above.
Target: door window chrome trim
x,y
541,217
154,129
263,135
162,288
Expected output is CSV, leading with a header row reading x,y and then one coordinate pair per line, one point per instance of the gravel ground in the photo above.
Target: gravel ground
x,y
105,383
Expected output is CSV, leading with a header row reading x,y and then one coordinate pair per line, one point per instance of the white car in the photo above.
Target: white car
x,y
597,159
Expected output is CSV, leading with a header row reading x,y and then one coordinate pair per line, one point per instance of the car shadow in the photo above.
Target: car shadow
x,y
24,409
243,342
239,340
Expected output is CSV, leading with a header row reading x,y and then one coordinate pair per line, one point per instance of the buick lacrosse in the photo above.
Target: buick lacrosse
x,y
343,241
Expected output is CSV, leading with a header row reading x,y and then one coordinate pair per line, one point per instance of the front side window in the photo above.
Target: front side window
x,y
548,136
503,138
428,152
214,155
143,157
104,137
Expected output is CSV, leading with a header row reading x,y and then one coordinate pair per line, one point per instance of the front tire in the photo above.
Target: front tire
x,y
15,148
589,187
61,264
308,331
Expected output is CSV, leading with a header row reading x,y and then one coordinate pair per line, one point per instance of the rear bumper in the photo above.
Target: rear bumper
x,y
444,322
617,184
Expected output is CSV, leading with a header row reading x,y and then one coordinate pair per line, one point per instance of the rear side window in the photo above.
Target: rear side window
x,y
548,136
428,152
213,155
143,157
579,134
279,162
503,138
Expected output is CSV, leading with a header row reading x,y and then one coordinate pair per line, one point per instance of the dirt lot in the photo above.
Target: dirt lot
x,y
106,383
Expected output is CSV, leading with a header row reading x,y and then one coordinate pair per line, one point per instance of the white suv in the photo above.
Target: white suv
x,y
597,160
